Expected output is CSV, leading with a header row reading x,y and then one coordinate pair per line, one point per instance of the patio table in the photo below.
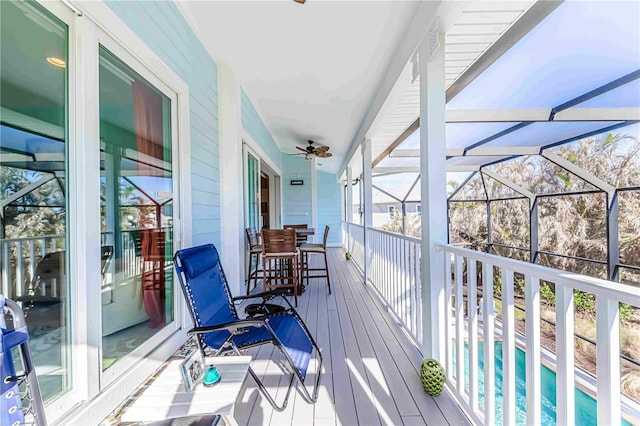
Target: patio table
x,y
166,397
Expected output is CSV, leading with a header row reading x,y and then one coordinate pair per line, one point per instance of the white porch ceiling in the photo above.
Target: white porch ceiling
x,y
311,70
314,71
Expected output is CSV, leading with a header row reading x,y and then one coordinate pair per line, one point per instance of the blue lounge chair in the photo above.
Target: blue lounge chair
x,y
220,330
12,411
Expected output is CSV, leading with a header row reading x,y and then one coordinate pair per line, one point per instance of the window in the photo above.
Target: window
x,y
419,209
391,210
33,180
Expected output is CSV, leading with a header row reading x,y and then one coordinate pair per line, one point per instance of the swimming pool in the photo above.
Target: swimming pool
x,y
586,406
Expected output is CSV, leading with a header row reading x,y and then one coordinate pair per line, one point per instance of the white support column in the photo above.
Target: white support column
x,y
314,199
433,191
349,206
232,221
367,197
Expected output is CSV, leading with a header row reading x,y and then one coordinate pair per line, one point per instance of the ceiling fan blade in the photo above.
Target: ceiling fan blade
x,y
300,1
324,154
301,149
322,149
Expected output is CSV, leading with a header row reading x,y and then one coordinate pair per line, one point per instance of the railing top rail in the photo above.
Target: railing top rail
x,y
39,237
612,290
395,235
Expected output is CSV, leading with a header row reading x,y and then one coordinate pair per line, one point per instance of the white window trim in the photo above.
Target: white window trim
x,y
60,405
260,153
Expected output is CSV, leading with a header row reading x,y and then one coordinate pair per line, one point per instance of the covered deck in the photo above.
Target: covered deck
x,y
371,365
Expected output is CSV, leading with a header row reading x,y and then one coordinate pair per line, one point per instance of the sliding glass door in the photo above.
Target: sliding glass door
x,y
252,190
34,248
136,214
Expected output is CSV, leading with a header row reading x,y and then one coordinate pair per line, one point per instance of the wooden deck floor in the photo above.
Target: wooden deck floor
x,y
370,372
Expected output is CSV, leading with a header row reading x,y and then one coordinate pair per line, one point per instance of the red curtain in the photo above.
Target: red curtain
x,y
147,111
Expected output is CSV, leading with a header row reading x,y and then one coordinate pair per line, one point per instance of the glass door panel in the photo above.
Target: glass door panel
x,y
34,252
136,187
252,189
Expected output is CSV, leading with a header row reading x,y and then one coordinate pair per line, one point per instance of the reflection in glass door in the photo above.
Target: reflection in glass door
x,y
136,187
34,251
252,194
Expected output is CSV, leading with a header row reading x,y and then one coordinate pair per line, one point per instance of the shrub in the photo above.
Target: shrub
x,y
518,287
584,302
626,313
548,295
497,285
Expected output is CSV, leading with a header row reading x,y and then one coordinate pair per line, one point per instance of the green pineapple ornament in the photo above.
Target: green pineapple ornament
x,y
432,375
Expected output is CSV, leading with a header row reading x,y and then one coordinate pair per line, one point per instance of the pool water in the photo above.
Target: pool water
x,y
586,406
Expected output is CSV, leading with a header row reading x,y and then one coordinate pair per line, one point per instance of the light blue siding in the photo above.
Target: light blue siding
x,y
252,123
329,206
163,28
296,199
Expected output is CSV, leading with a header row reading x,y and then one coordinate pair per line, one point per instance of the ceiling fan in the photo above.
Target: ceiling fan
x,y
312,151
300,1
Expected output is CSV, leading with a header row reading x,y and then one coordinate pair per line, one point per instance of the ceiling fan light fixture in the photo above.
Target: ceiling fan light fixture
x,y
309,156
60,63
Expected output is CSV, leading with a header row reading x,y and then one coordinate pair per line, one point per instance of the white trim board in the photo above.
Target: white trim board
x,y
246,138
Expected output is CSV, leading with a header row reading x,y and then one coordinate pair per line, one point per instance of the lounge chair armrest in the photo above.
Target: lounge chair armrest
x,y
266,295
229,326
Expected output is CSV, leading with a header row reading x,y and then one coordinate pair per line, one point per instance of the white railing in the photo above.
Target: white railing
x,y
470,318
345,234
355,243
394,271
471,325
20,256
19,259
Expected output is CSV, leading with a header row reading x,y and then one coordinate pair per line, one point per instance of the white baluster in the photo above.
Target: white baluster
x,y
488,318
459,328
19,274
565,381
472,327
32,260
608,360
448,317
508,350
532,309
417,254
6,271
